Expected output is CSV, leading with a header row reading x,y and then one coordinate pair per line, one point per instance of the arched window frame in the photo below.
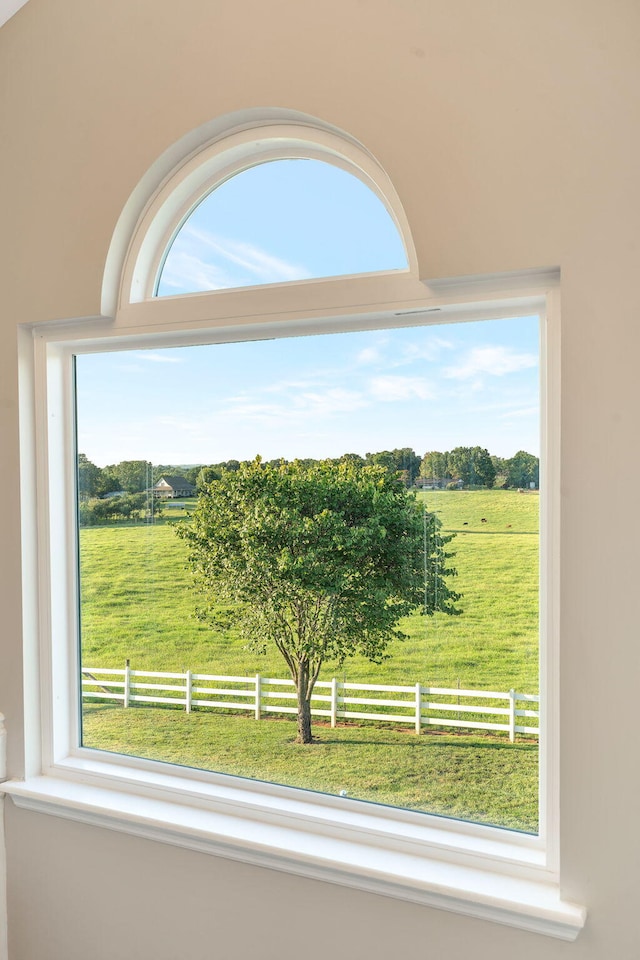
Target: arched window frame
x,y
131,278
472,869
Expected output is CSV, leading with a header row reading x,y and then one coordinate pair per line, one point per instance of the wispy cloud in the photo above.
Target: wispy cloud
x,y
299,408
186,272
370,355
492,361
336,400
431,349
200,260
391,388
522,412
298,385
159,357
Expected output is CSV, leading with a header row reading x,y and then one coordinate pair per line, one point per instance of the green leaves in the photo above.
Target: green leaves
x,y
321,559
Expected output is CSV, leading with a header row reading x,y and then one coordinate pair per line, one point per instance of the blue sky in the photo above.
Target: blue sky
x,y
430,388
281,221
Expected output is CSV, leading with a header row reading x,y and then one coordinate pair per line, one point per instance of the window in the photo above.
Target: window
x,y
399,852
327,414
281,221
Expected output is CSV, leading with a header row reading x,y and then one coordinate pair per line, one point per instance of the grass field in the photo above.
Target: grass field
x,y
137,604
437,772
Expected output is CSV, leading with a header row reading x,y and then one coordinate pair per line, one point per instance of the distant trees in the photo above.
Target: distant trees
x,y
88,477
129,506
473,466
206,475
402,461
523,469
174,470
501,467
134,475
435,466
468,466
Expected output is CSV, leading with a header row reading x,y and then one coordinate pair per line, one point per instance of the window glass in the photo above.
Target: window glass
x,y
281,221
387,539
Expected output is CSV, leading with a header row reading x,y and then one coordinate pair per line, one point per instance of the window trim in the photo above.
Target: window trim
x,y
471,869
224,158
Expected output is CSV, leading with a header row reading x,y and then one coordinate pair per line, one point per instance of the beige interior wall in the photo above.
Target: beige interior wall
x,y
511,131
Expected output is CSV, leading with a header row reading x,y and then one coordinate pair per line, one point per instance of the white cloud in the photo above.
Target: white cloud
x,y
430,350
298,409
369,355
493,361
336,400
522,412
159,357
200,261
285,386
186,271
391,388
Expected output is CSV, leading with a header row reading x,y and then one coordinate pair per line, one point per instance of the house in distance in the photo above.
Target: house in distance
x,y
168,488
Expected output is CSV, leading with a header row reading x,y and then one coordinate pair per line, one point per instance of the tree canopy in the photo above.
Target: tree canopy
x,y
523,469
322,560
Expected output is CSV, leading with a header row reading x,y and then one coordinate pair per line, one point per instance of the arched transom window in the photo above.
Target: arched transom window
x,y
282,221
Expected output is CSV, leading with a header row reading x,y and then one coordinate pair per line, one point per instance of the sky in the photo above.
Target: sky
x,y
430,388
281,221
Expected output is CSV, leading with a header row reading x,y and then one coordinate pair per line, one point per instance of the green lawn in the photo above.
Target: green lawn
x,y
137,604
437,772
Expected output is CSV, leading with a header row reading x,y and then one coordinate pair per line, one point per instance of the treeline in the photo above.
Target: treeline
x,y
461,466
93,511
476,467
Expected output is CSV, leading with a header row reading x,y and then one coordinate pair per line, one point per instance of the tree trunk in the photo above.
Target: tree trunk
x,y
304,707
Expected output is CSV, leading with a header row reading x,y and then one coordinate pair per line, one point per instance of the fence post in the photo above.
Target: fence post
x,y
512,715
334,701
187,678
258,695
127,684
418,708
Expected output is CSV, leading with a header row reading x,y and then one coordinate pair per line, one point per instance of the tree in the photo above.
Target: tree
x,y
130,506
135,475
434,466
109,481
500,465
321,561
401,460
88,477
523,469
472,465
207,475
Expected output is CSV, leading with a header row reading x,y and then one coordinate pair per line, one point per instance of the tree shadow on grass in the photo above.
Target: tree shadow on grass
x,y
425,742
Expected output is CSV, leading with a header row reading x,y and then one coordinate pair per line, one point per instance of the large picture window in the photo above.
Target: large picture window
x,y
378,564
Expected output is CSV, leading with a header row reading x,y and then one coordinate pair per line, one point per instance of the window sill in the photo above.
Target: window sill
x,y
477,873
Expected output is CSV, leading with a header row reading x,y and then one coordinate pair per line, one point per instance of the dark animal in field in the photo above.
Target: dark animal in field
x,y
483,520
466,523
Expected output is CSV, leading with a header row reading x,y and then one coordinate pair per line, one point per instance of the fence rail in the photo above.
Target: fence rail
x,y
421,706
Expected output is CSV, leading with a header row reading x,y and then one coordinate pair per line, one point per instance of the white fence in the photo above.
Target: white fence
x,y
333,700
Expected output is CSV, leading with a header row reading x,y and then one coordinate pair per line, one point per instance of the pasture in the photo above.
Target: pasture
x,y
138,604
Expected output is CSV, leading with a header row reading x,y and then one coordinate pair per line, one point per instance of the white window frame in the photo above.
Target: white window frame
x,y
471,869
